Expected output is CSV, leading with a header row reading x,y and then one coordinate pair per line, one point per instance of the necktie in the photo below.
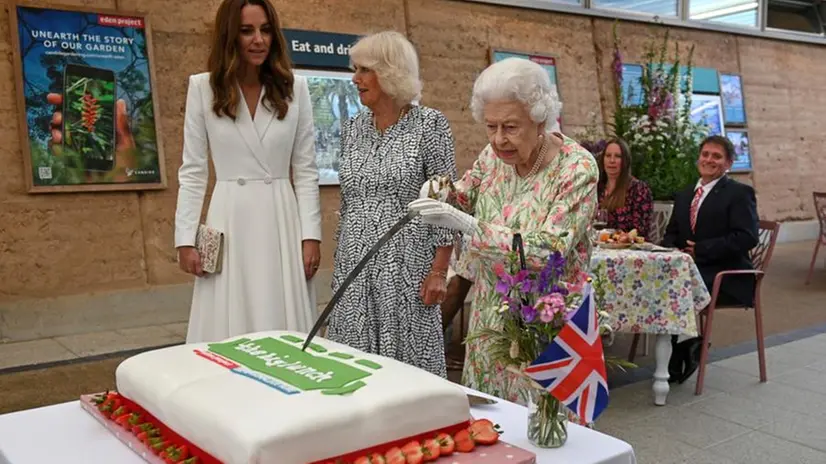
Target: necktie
x,y
694,205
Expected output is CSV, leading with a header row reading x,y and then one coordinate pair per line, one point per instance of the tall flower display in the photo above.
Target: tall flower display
x,y
657,124
661,134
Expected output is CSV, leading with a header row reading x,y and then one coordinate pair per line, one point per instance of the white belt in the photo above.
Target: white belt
x,y
244,180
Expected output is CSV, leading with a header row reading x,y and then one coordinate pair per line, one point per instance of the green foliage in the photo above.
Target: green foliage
x,y
663,139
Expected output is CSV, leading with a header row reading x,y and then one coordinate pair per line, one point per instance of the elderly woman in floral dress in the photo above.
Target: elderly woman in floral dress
x,y
531,180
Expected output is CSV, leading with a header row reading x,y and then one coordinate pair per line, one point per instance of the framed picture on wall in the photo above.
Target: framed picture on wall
x,y
731,92
548,62
335,99
708,110
631,87
87,99
742,160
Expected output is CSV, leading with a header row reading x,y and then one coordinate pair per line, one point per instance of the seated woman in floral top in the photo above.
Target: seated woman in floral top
x,y
626,199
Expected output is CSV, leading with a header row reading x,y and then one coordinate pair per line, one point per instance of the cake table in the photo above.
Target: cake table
x,y
69,434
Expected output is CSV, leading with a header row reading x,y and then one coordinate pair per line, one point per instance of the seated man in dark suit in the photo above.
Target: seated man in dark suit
x,y
714,221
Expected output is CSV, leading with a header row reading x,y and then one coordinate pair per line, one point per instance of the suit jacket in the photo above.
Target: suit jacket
x,y
725,232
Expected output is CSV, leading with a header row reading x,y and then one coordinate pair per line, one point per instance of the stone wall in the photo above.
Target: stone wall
x,y
55,245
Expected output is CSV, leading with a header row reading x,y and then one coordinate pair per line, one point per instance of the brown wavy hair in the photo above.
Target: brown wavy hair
x,y
224,60
617,198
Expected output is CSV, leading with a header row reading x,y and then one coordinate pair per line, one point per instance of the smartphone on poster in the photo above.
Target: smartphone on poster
x,y
89,115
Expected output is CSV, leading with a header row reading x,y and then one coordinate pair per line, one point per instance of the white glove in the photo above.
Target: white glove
x,y
440,214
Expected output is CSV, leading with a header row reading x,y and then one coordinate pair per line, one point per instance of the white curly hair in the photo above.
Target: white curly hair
x,y
518,79
395,62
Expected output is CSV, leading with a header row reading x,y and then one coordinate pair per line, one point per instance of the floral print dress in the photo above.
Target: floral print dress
x,y
561,198
636,213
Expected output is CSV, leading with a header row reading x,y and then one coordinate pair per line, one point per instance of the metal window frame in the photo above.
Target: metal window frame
x,y
766,28
586,9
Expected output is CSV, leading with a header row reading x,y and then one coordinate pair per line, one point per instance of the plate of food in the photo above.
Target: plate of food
x,y
619,240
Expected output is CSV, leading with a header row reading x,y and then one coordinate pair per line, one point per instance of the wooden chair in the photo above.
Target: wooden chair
x,y
760,257
820,209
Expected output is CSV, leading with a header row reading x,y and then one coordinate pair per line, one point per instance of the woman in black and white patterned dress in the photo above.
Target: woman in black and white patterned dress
x,y
387,152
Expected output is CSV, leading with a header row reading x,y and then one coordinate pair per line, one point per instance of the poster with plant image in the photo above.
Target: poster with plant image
x,y
335,99
88,113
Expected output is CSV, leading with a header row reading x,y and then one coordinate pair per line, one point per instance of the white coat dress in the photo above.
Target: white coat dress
x,y
263,217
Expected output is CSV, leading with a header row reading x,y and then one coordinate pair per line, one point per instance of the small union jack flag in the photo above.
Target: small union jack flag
x,y
572,368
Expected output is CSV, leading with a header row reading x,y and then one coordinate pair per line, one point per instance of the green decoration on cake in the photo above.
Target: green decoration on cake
x,y
292,338
345,390
317,348
291,365
369,364
341,355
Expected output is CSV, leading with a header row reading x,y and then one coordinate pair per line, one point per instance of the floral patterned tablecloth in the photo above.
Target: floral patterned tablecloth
x,y
650,292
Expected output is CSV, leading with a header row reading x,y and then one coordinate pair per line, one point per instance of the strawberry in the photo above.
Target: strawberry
x,y
99,399
362,460
183,452
464,443
431,450
395,456
413,452
484,432
446,444
138,429
123,420
151,433
377,458
118,412
135,419
156,444
192,460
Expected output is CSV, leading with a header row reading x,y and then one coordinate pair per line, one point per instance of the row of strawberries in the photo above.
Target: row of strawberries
x,y
111,405
480,432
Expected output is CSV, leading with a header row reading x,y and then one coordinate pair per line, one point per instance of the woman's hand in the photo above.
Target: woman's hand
x,y
434,288
190,261
437,213
311,250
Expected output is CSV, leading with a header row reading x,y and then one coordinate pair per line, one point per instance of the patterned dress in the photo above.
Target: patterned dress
x,y
381,312
560,198
636,213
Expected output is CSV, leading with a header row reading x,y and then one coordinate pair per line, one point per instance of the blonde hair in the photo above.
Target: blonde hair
x,y
521,80
394,60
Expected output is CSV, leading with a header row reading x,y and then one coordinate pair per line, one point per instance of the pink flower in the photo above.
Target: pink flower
x,y
499,269
507,211
551,305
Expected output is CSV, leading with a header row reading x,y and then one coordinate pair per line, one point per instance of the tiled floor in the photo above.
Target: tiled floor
x,y
50,350
737,419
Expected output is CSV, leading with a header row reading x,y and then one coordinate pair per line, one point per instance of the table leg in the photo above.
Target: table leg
x,y
662,354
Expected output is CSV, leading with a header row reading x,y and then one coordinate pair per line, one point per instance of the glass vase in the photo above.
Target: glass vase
x,y
547,420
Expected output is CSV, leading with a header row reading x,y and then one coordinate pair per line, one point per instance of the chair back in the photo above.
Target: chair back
x,y
820,210
761,254
659,222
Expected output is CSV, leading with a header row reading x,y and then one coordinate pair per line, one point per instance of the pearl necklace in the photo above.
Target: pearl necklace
x,y
539,159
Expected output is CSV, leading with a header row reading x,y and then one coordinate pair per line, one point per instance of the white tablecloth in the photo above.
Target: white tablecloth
x,y
67,434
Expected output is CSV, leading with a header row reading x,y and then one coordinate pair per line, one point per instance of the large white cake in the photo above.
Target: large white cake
x,y
258,398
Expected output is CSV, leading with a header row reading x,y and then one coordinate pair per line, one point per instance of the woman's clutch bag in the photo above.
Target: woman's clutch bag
x,y
210,245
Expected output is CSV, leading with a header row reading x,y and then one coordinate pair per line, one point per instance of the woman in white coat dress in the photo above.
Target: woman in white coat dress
x,y
255,118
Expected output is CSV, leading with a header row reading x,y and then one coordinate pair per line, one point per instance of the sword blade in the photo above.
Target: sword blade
x,y
354,273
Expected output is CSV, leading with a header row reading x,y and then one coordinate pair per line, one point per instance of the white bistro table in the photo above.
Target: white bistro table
x,y
66,433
